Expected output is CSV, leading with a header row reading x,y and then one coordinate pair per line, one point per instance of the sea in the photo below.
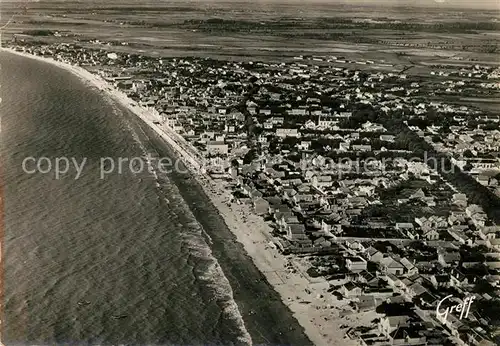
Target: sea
x,y
138,257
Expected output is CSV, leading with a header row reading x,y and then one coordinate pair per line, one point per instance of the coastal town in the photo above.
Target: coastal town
x,y
381,188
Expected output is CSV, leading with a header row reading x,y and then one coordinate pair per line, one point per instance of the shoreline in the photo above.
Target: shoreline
x,y
302,295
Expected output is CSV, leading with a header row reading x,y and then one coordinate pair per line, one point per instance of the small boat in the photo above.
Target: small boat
x,y
118,317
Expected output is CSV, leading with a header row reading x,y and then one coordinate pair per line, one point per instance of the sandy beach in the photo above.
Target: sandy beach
x,y
315,309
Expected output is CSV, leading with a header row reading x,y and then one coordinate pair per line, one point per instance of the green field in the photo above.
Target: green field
x,y
399,36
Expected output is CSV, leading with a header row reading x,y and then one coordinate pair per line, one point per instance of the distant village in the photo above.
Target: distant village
x,y
384,186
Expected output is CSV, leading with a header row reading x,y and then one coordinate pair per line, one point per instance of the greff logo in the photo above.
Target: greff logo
x,y
463,308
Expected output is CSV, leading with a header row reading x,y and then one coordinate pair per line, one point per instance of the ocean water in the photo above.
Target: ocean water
x,y
131,259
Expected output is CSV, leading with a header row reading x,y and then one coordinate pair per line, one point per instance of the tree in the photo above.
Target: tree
x,y
468,153
483,286
468,166
249,157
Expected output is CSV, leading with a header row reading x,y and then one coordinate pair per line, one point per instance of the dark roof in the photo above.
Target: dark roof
x,y
284,209
405,332
297,228
274,201
442,278
350,286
